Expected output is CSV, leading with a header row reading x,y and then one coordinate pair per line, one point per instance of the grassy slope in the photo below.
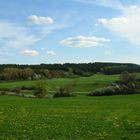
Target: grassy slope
x,y
81,84
79,118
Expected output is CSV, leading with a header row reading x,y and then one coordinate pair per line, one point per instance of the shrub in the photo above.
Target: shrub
x,y
5,89
17,90
127,85
127,77
3,92
112,90
137,84
64,92
41,89
103,91
28,88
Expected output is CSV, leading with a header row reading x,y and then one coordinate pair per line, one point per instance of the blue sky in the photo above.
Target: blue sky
x,y
75,31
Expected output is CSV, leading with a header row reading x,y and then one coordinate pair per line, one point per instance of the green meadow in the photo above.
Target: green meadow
x,y
80,84
75,118
70,118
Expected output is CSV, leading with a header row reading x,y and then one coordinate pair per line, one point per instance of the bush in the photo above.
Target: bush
x,y
112,90
3,92
137,84
28,88
41,89
64,92
5,89
17,90
127,77
128,84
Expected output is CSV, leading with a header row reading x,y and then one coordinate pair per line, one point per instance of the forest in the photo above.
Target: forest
x,y
67,70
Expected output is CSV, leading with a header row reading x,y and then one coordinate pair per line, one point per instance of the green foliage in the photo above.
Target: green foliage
x,y
131,80
113,90
115,69
127,77
64,92
43,71
127,85
28,87
70,72
41,89
16,74
3,92
17,90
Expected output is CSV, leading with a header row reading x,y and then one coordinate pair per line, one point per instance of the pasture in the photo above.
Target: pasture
x,y
75,118
70,118
80,85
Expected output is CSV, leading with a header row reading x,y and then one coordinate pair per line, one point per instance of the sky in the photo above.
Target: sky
x,y
69,31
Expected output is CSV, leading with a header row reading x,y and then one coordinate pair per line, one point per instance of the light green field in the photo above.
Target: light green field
x,y
81,84
75,118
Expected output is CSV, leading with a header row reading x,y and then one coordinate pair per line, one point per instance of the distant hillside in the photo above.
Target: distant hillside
x,y
80,68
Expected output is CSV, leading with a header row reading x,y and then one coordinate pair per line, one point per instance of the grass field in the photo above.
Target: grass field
x,y
75,118
81,84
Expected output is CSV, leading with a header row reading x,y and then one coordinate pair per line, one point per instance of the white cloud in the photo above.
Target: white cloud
x,y
29,52
17,36
22,41
108,52
114,21
43,49
9,30
40,20
51,53
12,35
45,30
105,3
126,25
84,41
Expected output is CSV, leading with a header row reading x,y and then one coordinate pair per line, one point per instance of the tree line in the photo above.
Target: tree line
x,y
31,72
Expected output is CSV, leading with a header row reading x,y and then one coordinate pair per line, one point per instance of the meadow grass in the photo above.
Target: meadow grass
x,y
75,118
80,84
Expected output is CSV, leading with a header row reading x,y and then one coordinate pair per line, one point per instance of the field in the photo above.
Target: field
x,y
75,118
79,85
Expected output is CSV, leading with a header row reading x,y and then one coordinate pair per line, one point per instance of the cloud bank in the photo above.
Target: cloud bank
x,y
125,25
